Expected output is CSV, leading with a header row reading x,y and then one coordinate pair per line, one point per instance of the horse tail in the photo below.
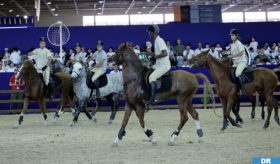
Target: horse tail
x,y
209,89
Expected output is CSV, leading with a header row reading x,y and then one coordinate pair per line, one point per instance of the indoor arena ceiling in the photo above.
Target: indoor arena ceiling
x,y
116,7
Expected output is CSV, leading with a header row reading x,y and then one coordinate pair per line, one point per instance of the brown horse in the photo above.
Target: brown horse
x,y
265,82
184,86
35,90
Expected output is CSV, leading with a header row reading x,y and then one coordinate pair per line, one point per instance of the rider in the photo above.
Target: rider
x,y
79,57
100,66
162,60
43,59
238,55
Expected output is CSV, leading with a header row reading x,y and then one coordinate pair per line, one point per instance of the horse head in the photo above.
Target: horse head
x,y
26,69
122,51
77,70
199,60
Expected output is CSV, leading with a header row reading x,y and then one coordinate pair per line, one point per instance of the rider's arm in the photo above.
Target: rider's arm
x,y
161,55
99,64
237,55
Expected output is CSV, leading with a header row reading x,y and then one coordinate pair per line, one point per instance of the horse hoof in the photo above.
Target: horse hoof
x,y
16,126
115,144
154,142
46,123
94,120
73,123
170,143
110,121
200,141
199,132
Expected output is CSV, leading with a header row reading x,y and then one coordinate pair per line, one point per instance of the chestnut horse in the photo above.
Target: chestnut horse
x,y
265,82
35,90
184,86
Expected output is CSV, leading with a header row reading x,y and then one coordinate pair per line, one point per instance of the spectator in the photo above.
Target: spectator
x,y
253,53
51,50
207,47
6,66
277,60
112,53
62,56
15,57
214,53
115,70
16,86
188,52
254,44
1,68
218,48
12,68
179,49
71,54
171,52
261,55
6,54
273,54
89,51
266,49
199,48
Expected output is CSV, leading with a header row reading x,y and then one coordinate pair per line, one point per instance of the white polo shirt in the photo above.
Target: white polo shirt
x,y
41,57
235,48
159,46
188,53
15,57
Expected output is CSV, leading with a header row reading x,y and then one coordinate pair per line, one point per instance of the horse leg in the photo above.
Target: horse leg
x,y
225,121
276,116
269,110
76,114
71,104
61,109
113,105
140,110
124,123
235,110
98,104
230,103
262,104
195,116
84,108
253,113
24,109
42,104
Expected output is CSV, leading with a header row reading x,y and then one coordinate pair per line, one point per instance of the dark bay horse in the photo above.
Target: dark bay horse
x,y
184,86
35,90
265,82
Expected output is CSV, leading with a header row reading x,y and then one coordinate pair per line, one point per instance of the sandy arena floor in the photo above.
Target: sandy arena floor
x,y
34,143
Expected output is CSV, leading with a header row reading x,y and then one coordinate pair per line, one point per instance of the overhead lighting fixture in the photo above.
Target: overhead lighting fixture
x,y
98,13
25,16
274,4
53,9
144,7
100,1
99,8
56,15
49,3
10,11
148,0
1,4
260,9
139,12
231,5
17,15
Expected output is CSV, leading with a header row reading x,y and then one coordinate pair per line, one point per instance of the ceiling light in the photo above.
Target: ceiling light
x,y
53,9
260,9
275,4
98,13
25,16
100,1
139,12
49,3
17,15
56,15
10,11
99,8
231,5
144,7
148,0
1,4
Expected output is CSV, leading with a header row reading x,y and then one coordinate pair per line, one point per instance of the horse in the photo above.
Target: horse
x,y
236,107
265,82
113,88
58,70
184,86
35,90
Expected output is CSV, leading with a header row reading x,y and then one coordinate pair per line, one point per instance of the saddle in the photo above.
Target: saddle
x,y
164,83
247,75
103,81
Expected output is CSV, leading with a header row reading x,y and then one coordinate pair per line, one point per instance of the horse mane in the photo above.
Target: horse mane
x,y
220,63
